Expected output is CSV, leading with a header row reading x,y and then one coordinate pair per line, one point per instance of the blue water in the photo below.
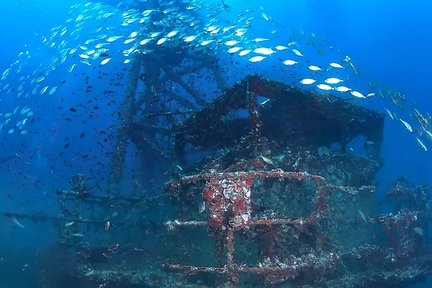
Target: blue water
x,y
389,41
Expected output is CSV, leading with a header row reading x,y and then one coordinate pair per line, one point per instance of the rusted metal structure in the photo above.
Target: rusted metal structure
x,y
247,133
269,191
296,117
145,120
256,156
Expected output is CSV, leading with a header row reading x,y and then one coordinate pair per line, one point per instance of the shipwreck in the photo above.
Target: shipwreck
x,y
267,185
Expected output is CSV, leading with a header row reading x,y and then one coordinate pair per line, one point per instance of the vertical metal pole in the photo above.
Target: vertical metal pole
x,y
252,103
231,269
118,157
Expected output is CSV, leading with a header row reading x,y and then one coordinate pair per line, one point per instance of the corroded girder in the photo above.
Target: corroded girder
x,y
126,118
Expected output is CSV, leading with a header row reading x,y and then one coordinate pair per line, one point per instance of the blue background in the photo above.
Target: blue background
x,y
390,42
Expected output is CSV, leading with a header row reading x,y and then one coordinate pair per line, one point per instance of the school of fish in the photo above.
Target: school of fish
x,y
192,25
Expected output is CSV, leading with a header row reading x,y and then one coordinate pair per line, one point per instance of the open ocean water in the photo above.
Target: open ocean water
x,y
64,70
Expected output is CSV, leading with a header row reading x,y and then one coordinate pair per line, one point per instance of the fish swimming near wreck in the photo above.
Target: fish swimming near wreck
x,y
15,220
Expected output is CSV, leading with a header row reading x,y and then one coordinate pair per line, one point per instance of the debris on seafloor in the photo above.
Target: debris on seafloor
x,y
267,195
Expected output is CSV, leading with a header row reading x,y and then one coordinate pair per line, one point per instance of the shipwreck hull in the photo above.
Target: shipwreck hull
x,y
265,190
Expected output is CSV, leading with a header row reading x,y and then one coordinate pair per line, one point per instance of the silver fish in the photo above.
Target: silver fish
x,y
297,52
113,38
332,80
202,207
314,68
264,51
260,39
129,40
406,124
190,38
324,87
342,89
256,59
389,113
244,52
267,160
161,41
17,222
43,90
289,62
52,90
357,94
68,224
422,145
233,50
231,42
336,65
281,47
307,81
206,42
133,34
172,33
105,61
144,41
